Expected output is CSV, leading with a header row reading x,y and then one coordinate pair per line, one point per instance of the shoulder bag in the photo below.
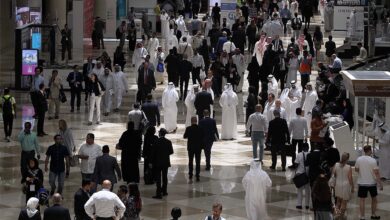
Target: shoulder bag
x,y
302,178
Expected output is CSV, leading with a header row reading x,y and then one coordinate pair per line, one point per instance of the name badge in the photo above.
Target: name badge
x,y
32,188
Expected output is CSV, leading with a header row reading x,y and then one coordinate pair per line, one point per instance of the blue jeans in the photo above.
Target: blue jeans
x,y
52,181
258,141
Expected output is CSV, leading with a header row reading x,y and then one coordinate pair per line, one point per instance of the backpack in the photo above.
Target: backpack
x,y
43,196
296,25
132,207
7,106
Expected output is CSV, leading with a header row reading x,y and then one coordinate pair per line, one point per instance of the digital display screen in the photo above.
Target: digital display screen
x,y
36,41
29,61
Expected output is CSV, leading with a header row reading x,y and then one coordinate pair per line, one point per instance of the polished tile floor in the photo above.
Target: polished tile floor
x,y
230,162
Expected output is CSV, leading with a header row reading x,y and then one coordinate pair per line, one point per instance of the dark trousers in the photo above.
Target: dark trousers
x,y
217,85
161,173
196,76
75,93
183,82
101,218
191,155
294,143
274,153
305,78
41,122
284,21
33,97
207,153
8,122
66,48
142,93
99,38
173,77
26,155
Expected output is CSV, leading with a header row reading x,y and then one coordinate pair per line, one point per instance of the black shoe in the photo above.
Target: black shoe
x,y
272,168
298,207
307,207
165,194
207,168
197,179
292,167
157,197
72,110
375,217
284,169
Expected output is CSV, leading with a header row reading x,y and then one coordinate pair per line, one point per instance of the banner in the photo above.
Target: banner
x,y
228,8
29,61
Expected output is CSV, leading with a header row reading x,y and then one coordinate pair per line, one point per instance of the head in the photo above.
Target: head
x,y
90,139
278,103
57,139
344,158
149,97
333,56
27,126
292,39
54,74
309,87
359,45
162,132
298,111
32,203
136,105
194,120
328,142
330,37
305,53
86,185
271,97
259,108
93,77
206,113
150,131
42,87
367,150
122,191
105,149
38,70
62,125
6,91
133,190
276,113
33,163
184,39
117,68
293,84
217,209
176,211
98,65
57,198
106,184
296,14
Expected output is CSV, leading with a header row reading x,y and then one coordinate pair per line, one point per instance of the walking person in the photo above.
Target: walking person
x,y
105,168
75,80
133,203
198,64
87,70
36,80
146,81
322,199
56,154
296,25
258,124
32,179
151,110
301,167
8,106
29,144
169,100
150,140
55,87
31,211
299,132
41,109
95,91
194,134
57,211
67,137
368,181
88,153
66,42
80,198
130,143
107,81
161,162
99,27
318,40
210,134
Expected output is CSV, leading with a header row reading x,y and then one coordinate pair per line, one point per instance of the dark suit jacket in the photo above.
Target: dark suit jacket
x,y
278,133
203,100
80,198
105,168
151,82
194,134
209,129
41,101
161,153
56,212
79,79
152,112
313,161
185,69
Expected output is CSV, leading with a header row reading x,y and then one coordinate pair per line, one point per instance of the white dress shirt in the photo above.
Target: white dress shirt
x,y
198,61
258,122
298,128
104,204
229,47
93,151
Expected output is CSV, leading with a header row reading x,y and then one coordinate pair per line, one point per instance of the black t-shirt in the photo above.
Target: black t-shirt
x,y
57,154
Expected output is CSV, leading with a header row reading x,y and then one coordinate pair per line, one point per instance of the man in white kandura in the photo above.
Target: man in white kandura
x,y
169,99
239,61
310,102
152,46
255,182
189,101
121,87
272,85
229,102
138,56
108,82
384,147
98,69
164,18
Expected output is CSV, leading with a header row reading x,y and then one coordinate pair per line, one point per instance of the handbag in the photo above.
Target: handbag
x,y
302,178
160,67
144,124
62,95
74,161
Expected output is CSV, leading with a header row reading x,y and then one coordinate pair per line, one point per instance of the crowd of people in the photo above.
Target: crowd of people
x,y
282,116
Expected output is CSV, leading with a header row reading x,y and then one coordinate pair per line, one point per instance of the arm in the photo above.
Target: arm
x,y
350,179
378,178
67,165
36,146
249,123
89,207
47,162
185,133
118,170
121,207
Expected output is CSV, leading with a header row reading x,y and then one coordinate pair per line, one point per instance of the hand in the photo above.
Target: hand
x,y
381,187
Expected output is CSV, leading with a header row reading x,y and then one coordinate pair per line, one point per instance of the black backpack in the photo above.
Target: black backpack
x,y
7,106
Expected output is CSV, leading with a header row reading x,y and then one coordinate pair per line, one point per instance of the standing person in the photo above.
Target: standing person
x,y
37,80
87,70
301,167
57,211
299,132
383,133
29,144
121,34
32,179
198,64
194,134
153,44
104,204
184,70
130,143
8,106
159,64
309,40
42,109
185,48
54,95
150,140
231,74
146,81
293,66
305,64
169,99
296,25
258,125
75,80
105,168
250,104
80,198
239,60
107,81
317,124
131,36
255,182
344,186
66,42
285,14
88,153
95,92
151,111
203,101
310,100
190,106
57,153
215,13
217,209
99,27
210,134
278,135
347,113
313,161
31,211
229,102
322,199
330,48
161,162
164,18
204,50
121,86
139,55
251,31
318,40
253,75
368,181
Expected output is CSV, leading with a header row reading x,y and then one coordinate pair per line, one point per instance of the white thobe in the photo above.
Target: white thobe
x,y
296,93
292,71
191,111
228,47
259,52
352,24
291,105
108,83
97,71
152,48
229,102
384,155
268,110
328,17
138,58
181,25
239,61
120,82
169,99
308,105
164,25
273,88
294,8
172,41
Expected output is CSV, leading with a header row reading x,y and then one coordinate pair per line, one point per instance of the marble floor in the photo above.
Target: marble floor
x,y
230,162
